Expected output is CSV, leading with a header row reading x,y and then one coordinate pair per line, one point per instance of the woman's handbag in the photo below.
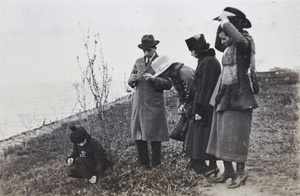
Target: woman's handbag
x,y
180,129
254,82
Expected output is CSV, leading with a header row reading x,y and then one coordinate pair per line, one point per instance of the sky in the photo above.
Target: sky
x,y
41,40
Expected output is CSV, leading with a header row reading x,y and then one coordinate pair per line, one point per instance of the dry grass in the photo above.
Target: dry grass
x,y
38,168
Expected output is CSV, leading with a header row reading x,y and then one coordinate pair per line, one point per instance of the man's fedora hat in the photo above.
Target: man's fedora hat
x,y
148,41
235,13
161,64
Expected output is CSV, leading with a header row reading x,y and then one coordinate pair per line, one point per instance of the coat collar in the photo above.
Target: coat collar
x,y
152,58
209,52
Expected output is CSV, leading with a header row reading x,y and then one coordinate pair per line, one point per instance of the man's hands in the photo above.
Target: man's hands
x,y
133,77
148,76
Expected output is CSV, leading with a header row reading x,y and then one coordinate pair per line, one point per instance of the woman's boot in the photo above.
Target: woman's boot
x,y
199,166
211,169
228,173
240,177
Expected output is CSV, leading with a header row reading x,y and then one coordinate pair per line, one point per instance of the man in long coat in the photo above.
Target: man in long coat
x,y
149,117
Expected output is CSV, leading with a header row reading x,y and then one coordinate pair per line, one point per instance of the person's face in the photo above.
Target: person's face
x,y
82,143
149,52
193,53
225,39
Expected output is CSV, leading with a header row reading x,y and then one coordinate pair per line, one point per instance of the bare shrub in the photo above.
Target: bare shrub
x,y
95,74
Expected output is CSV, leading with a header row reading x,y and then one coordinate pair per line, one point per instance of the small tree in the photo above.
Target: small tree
x,y
95,74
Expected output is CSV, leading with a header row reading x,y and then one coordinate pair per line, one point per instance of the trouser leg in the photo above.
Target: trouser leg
x,y
85,167
103,165
73,173
156,153
142,148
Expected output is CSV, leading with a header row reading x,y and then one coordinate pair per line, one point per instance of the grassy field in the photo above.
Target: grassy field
x,y
38,166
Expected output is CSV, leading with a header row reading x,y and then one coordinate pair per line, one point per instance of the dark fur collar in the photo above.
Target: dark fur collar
x,y
209,52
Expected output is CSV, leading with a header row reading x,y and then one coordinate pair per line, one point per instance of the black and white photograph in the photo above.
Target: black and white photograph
x,y
149,97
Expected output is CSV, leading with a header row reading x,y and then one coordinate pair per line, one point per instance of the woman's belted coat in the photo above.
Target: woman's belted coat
x,y
234,101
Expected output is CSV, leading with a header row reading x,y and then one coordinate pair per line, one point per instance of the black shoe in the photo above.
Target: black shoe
x,y
201,170
240,179
210,171
147,166
154,164
224,177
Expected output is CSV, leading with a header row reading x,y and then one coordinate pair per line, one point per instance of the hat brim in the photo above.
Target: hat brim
x,y
163,70
216,18
161,64
141,46
246,21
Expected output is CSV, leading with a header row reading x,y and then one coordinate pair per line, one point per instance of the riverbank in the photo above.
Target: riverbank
x,y
27,106
38,168
22,138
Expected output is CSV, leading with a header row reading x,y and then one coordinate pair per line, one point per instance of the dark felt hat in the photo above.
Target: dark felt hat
x,y
236,14
148,41
197,43
78,134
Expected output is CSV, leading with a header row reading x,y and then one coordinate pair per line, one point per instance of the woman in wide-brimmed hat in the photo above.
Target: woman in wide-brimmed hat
x,y
234,100
183,80
206,76
149,116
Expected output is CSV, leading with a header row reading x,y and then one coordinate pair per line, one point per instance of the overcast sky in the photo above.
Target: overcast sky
x,y
40,40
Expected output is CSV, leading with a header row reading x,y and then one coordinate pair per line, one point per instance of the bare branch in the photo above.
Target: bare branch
x,y
95,74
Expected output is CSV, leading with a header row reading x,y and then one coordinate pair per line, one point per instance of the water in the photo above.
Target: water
x,y
27,106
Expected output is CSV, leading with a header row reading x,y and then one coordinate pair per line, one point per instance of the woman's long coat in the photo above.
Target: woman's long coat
x,y
234,102
149,116
206,77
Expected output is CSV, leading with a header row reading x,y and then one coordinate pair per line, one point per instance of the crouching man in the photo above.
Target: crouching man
x,y
88,158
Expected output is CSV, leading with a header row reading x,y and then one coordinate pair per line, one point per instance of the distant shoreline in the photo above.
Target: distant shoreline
x,y
18,139
30,105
